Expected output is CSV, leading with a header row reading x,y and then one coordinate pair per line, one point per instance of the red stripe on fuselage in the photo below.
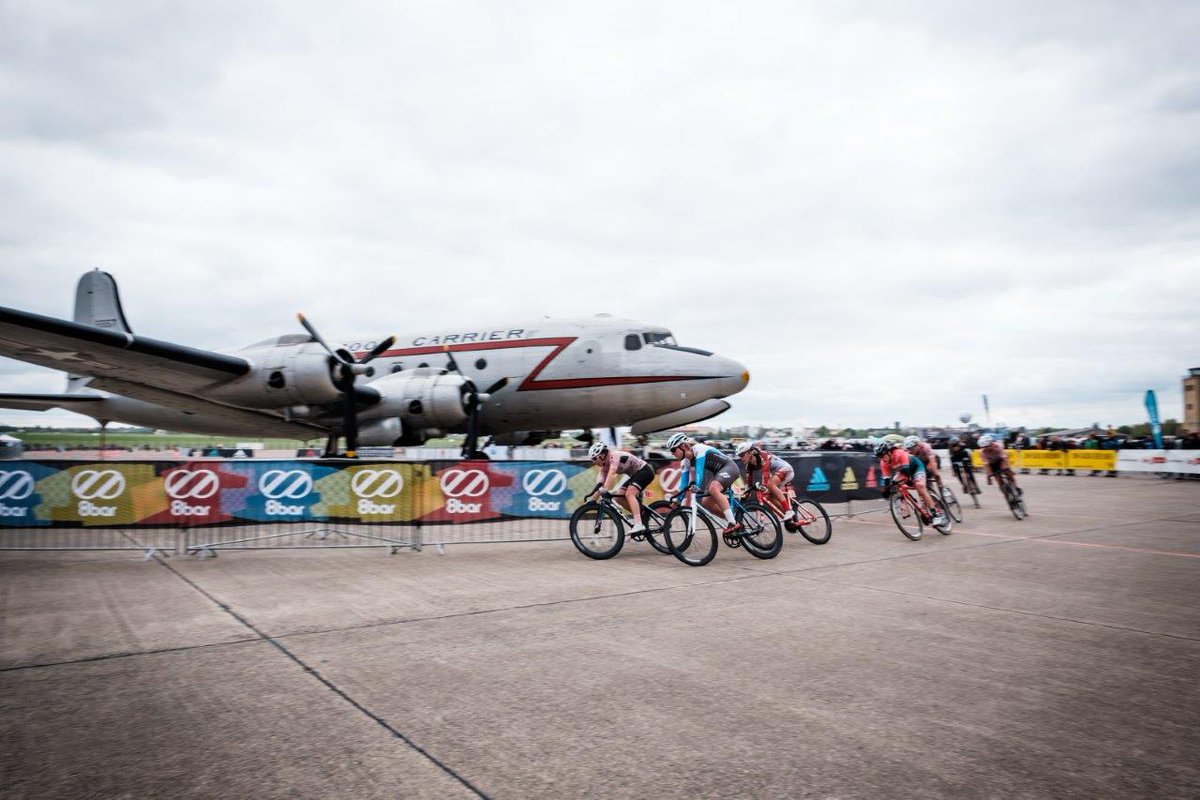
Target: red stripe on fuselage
x,y
531,383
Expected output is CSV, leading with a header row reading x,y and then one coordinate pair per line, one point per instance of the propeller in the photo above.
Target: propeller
x,y
475,401
348,368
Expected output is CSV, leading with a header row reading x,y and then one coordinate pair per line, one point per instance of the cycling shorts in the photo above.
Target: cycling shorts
x,y
785,475
643,477
726,475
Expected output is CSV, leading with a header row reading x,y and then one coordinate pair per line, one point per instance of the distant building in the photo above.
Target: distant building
x,y
1191,399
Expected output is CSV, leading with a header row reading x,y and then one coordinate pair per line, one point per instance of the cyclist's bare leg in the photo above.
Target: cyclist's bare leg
x,y
716,501
772,484
631,500
923,491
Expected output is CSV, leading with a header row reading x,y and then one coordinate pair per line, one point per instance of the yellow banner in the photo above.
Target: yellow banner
x,y
1037,459
1091,459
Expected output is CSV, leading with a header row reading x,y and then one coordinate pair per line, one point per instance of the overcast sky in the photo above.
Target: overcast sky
x,y
885,209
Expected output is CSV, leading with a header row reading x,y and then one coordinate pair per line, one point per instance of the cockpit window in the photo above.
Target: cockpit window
x,y
633,342
659,337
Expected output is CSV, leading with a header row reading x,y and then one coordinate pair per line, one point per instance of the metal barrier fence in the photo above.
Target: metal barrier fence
x,y
203,506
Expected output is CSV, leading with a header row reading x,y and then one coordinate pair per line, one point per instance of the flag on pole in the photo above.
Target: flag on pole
x,y
1152,410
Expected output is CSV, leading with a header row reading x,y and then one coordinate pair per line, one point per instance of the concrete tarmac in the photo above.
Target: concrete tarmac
x,y
1054,657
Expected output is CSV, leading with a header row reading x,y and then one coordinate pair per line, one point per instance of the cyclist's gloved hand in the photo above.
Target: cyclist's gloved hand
x,y
887,490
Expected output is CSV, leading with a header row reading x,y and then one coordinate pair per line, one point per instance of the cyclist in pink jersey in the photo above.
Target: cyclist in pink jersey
x,y
915,447
614,462
995,458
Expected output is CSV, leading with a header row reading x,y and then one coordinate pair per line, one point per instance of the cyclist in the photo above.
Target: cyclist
x,y
776,473
893,460
960,461
613,462
914,446
714,472
996,460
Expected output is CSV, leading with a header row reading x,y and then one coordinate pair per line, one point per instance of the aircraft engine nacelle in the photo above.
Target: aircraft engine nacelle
x,y
282,375
423,398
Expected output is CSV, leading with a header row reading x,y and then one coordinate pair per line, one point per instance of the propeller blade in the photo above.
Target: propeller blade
x,y
450,357
312,331
378,349
349,412
495,387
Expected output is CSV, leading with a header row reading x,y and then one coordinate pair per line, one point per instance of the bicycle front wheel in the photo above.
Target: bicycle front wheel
x,y
596,531
1015,503
694,548
763,537
812,520
906,517
655,533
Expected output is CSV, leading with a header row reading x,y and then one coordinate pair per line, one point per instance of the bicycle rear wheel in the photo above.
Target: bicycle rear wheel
x,y
1015,503
596,531
763,537
906,517
812,520
654,526
950,502
694,548
947,520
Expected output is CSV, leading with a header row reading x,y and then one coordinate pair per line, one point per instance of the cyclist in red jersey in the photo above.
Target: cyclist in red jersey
x,y
776,473
897,465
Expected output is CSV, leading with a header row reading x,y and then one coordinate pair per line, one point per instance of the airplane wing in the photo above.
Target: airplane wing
x,y
44,402
86,350
139,367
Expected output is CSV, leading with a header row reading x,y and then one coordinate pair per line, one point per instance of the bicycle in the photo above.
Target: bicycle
x,y
598,527
939,490
811,520
966,476
909,513
1014,498
696,546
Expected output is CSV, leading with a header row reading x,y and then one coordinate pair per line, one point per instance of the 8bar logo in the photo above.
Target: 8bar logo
x,y
278,485
16,486
540,483
463,483
97,484
182,485
376,484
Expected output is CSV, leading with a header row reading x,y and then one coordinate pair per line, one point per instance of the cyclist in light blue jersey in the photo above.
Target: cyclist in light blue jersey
x,y
705,468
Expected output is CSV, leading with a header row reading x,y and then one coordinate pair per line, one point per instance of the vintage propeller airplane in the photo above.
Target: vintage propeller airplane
x,y
540,377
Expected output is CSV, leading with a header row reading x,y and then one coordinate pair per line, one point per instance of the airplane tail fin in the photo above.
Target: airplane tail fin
x,y
97,303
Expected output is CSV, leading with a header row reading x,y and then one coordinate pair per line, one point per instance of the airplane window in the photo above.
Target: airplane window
x,y
275,380
397,367
633,342
481,363
659,338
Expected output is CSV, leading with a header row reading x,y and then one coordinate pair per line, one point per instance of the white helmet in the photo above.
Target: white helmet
x,y
743,448
597,450
985,440
677,440
910,442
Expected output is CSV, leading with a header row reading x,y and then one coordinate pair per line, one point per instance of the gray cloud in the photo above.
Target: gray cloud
x,y
885,209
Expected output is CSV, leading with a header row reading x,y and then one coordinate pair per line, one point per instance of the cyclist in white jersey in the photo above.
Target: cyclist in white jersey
x,y
614,462
713,471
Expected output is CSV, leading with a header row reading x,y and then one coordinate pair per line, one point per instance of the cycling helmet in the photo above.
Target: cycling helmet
x,y
743,448
910,442
881,448
678,440
597,450
953,440
985,440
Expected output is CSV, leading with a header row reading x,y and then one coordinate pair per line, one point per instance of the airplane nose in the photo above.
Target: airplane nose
x,y
734,376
